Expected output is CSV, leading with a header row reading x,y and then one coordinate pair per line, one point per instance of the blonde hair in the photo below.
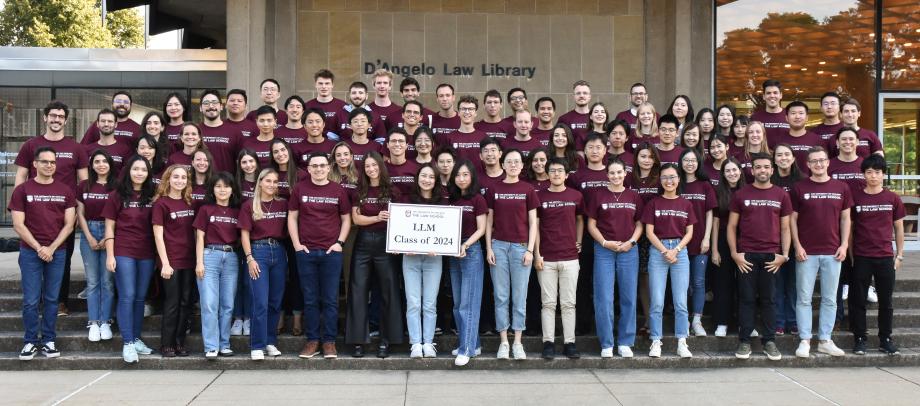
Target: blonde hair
x,y
638,129
383,72
349,175
164,188
764,145
257,213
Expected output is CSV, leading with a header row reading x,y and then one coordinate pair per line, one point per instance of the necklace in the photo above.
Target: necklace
x,y
616,196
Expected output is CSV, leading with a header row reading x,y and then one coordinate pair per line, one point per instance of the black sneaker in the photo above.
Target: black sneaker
x,y
859,346
571,351
50,351
28,352
888,347
549,350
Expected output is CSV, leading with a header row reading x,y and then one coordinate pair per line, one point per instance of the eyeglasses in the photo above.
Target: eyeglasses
x,y
513,162
818,161
689,161
556,170
397,141
210,103
467,109
46,162
639,93
669,178
667,130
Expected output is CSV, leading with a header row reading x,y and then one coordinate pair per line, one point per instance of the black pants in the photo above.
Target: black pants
x,y
584,290
370,258
65,282
757,286
487,306
293,295
846,272
864,269
177,307
724,286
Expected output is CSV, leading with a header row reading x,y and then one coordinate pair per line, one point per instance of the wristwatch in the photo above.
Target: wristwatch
x,y
632,242
899,257
340,242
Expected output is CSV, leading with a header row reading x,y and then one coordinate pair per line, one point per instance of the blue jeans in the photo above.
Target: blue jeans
x,y
785,298
41,284
509,280
319,281
658,270
242,301
466,277
132,278
806,273
217,290
100,283
698,265
609,268
267,291
422,275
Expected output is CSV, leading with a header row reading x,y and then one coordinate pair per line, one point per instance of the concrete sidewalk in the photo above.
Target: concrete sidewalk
x,y
763,386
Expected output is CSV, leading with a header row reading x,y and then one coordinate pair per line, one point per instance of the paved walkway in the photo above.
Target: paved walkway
x,y
800,387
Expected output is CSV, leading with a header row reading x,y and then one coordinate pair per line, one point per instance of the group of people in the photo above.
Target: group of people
x,y
255,213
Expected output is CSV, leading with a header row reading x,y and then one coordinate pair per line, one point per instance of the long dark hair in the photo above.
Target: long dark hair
x,y
724,191
291,173
207,174
160,143
387,192
528,162
570,154
689,118
699,173
656,165
186,114
795,174
437,193
94,177
454,190
159,153
125,187
228,180
240,175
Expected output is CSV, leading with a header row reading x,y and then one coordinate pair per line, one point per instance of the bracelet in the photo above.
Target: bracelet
x,y
604,244
249,255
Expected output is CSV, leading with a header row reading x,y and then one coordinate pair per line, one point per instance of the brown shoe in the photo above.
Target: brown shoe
x,y
329,351
168,352
310,349
62,310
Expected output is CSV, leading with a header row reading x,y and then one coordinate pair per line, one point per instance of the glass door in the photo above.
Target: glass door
x,y
897,127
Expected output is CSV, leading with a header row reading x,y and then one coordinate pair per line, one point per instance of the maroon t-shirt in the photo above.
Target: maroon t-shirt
x,y
128,130
403,176
223,143
441,126
588,182
372,205
703,197
557,213
672,156
44,207
199,191
282,119
179,158
647,189
818,206
800,147
176,216
634,142
873,222
304,149
133,234
284,186
173,132
360,151
273,223
579,123
93,200
465,144
537,133
247,189
69,155
500,130
511,202
526,147
329,109
774,123
669,216
848,172
868,143
319,211
390,115
243,128
291,136
120,152
616,213
219,224
628,116
263,149
472,208
759,225
487,183
377,130
539,185
828,133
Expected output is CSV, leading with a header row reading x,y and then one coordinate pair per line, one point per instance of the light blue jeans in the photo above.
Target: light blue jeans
x,y
100,283
698,264
806,273
509,282
658,270
217,290
466,275
422,275
618,270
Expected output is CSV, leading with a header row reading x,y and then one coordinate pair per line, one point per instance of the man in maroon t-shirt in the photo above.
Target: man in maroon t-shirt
x,y
410,89
546,113
270,92
772,117
820,228
447,120
493,124
465,141
293,132
830,107
119,150
758,239
869,142
386,109
579,119
638,94
125,127
517,99
236,121
323,81
222,142
522,141
357,95
798,138
43,211
401,170
314,124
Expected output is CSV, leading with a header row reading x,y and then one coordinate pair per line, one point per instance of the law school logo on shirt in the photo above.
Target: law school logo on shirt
x,y
747,202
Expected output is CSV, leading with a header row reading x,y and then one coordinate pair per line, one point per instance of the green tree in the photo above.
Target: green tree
x,y
69,24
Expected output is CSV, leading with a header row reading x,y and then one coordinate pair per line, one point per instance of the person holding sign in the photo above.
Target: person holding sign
x,y
511,234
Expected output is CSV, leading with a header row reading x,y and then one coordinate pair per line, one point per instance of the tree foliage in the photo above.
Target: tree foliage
x,y
68,24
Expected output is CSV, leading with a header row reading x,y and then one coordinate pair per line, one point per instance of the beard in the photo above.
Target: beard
x,y
122,112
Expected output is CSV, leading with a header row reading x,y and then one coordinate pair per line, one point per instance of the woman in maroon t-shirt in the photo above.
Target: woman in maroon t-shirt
x,y
690,138
718,153
536,173
147,148
370,213
344,172
152,125
216,262
173,235
131,256
202,172
288,176
787,171
645,182
669,222
724,285
175,108
739,136
91,197
247,170
445,159
646,129
786,175
755,141
191,142
563,146
699,192
424,146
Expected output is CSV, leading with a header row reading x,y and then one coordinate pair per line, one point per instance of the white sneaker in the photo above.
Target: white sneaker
x,y
698,329
257,355
211,354
105,331
428,350
655,350
148,310
721,330
237,328
94,333
803,350
871,295
272,351
82,294
503,350
828,347
625,351
456,351
754,333
129,353
415,351
517,351
461,360
246,327
607,352
845,292
682,349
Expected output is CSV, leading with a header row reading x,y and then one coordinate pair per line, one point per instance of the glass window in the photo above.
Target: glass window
x,y
900,44
20,120
86,103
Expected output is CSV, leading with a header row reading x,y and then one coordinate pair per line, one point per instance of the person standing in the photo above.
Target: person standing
x,y
221,140
638,94
270,93
125,128
324,81
702,196
43,211
772,116
578,119
446,120
91,197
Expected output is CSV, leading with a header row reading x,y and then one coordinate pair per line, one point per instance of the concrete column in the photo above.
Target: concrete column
x,y
678,35
261,43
